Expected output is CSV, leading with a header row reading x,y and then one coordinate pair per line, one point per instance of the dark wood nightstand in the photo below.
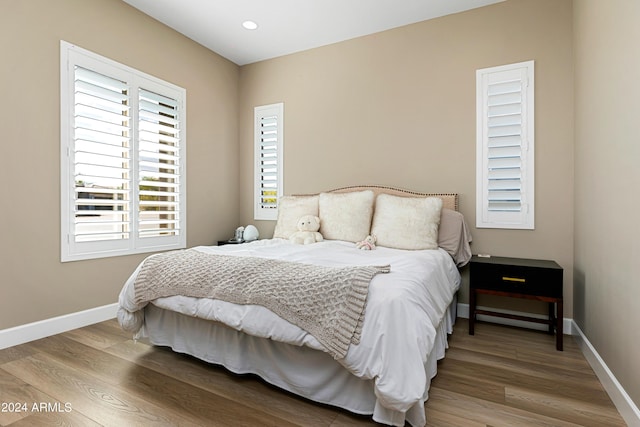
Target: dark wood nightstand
x,y
534,279
230,242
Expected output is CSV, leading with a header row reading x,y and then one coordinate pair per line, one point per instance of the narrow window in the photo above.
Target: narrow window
x,y
122,159
268,129
505,147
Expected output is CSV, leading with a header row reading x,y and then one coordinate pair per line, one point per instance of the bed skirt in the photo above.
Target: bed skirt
x,y
303,371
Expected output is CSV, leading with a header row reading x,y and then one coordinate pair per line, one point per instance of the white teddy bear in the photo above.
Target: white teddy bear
x,y
307,233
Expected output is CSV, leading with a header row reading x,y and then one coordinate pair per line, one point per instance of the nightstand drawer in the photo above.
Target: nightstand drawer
x,y
531,280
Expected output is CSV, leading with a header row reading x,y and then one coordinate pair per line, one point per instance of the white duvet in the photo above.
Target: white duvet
x,y
404,308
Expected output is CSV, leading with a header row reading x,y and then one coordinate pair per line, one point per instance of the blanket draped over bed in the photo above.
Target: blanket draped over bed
x,y
327,302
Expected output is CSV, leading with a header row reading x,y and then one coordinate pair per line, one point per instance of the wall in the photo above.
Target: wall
x,y
607,151
398,108
34,284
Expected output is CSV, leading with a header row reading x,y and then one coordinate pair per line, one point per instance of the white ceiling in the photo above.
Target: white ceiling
x,y
288,26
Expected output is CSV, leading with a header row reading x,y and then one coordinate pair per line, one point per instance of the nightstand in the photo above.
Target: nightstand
x,y
230,242
533,279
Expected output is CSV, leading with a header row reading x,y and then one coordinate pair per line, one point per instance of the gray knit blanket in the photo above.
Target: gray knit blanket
x,y
327,302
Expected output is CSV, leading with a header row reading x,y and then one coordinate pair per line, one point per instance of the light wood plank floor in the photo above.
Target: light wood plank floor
x,y
97,376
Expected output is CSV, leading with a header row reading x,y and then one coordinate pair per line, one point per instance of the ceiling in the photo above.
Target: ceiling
x,y
288,26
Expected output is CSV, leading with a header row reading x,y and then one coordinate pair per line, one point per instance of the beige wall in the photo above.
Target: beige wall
x,y
607,152
398,108
34,284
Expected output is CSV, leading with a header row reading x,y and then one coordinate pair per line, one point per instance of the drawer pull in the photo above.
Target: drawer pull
x,y
513,279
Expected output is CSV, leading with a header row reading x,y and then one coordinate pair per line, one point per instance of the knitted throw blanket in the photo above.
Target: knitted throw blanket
x,y
327,302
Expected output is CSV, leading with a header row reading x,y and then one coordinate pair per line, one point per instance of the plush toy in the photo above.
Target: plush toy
x,y
369,243
308,227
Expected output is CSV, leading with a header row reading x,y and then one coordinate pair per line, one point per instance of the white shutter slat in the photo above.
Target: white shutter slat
x,y
159,184
100,80
157,193
113,129
149,109
505,141
116,204
145,214
147,146
101,171
155,117
501,131
505,206
155,138
100,113
504,163
504,184
101,148
157,99
501,87
504,195
504,151
111,158
159,156
93,135
504,110
100,94
159,164
506,102
161,128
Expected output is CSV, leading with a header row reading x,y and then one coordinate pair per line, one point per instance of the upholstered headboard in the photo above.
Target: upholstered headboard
x,y
449,200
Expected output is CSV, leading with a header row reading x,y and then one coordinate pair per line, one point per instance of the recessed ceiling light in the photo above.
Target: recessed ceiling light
x,y
250,25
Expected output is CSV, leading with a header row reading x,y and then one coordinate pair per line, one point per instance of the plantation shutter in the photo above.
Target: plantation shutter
x,y
268,176
101,158
122,168
505,146
159,165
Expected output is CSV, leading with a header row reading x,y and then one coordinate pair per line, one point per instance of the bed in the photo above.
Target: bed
x,y
395,333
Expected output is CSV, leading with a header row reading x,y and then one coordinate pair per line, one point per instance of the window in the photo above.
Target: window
x,y
268,130
505,142
122,159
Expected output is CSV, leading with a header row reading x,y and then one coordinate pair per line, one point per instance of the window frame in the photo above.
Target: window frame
x,y
523,216
72,250
260,211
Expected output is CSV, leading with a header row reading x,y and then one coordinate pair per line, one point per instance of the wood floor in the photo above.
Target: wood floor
x,y
98,376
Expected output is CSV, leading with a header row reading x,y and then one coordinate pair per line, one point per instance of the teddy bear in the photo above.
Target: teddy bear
x,y
368,243
308,227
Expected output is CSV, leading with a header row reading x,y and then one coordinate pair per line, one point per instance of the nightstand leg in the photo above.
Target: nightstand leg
x,y
472,311
559,331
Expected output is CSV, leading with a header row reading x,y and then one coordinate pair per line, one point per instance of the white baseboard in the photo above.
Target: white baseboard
x,y
627,408
45,328
463,311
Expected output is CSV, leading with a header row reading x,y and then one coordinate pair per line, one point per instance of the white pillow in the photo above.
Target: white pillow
x,y
290,210
407,222
346,216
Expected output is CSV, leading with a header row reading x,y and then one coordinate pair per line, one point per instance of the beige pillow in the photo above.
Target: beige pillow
x,y
454,236
290,210
407,222
346,216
